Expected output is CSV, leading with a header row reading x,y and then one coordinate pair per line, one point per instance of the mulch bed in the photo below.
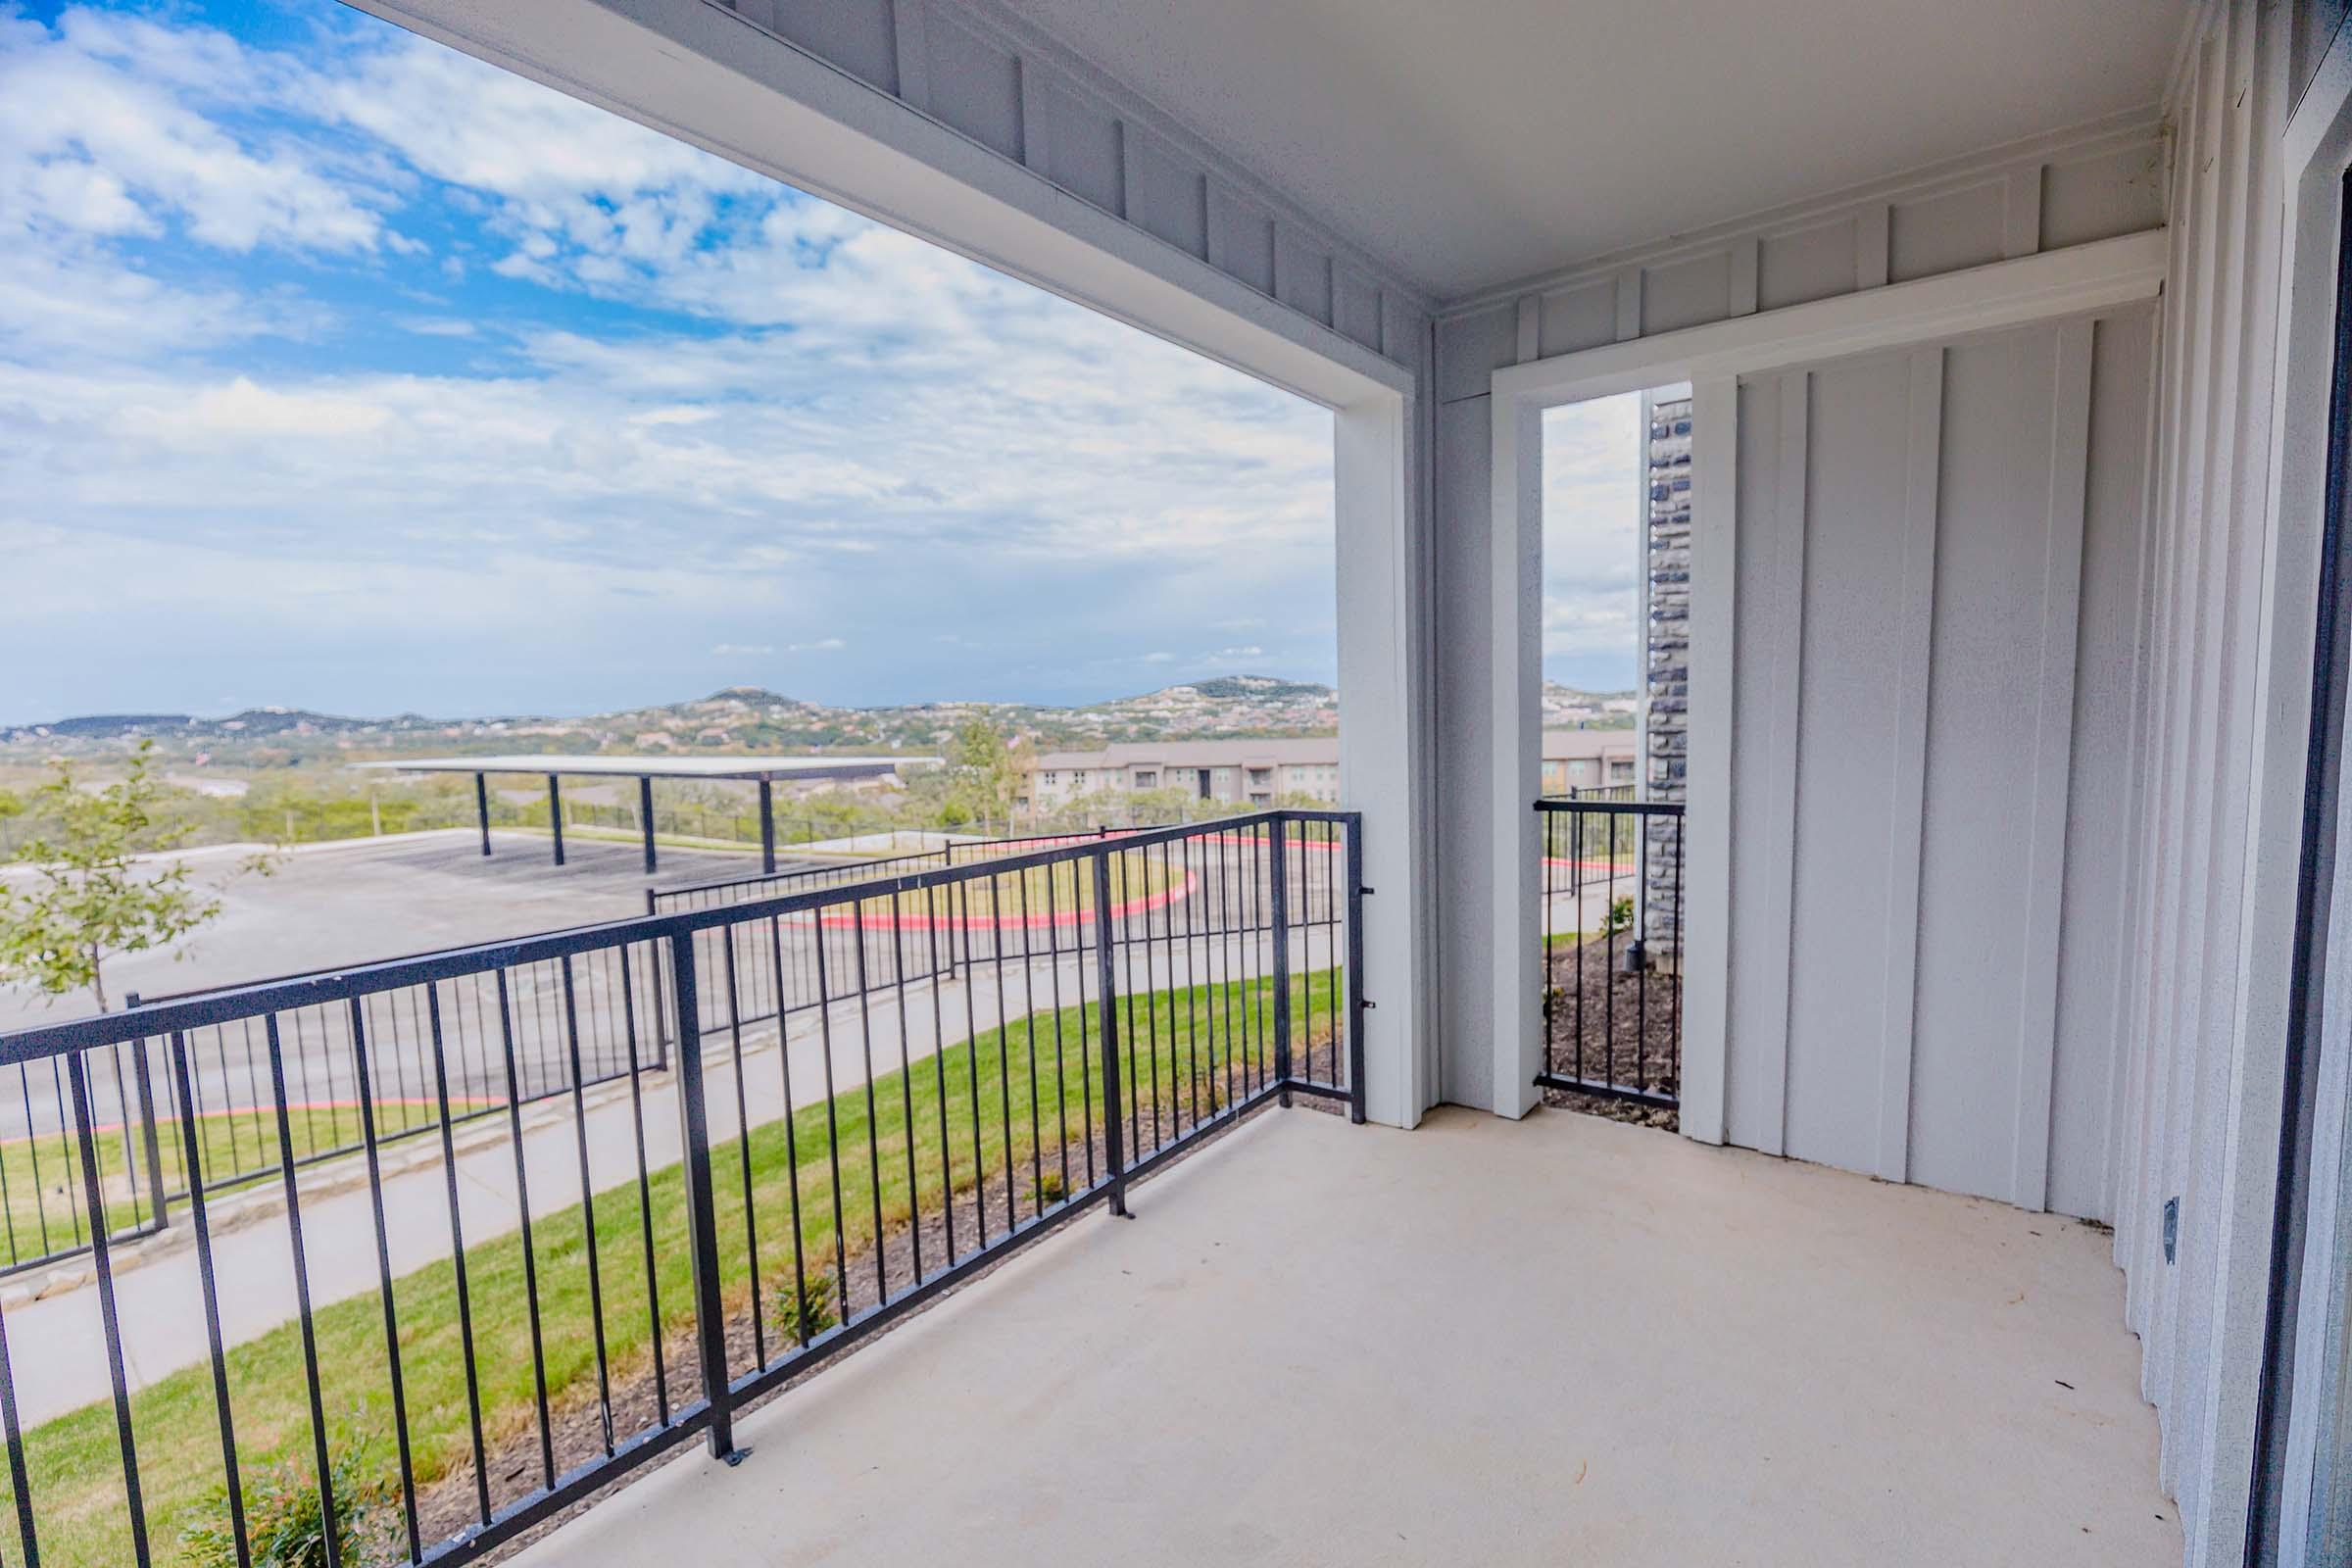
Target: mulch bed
x,y
448,1504
1629,1026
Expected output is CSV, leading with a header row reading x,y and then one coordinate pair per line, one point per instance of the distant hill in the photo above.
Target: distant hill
x,y
737,718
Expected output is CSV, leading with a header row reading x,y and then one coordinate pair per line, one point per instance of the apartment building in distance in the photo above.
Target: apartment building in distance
x,y
1263,772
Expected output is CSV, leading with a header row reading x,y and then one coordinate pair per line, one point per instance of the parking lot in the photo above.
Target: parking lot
x,y
332,904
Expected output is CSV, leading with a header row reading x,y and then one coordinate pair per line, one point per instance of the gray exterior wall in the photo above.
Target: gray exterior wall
x,y
2048,195
1939,562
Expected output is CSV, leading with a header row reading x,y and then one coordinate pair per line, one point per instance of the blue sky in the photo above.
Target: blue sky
x,y
340,371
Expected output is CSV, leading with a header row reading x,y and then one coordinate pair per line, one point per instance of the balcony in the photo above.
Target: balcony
x,y
1561,1340
815,1108
2005,441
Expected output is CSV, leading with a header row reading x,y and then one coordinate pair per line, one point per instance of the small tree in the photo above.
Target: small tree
x,y
90,899
985,777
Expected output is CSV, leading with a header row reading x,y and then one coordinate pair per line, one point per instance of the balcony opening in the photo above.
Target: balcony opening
x,y
1616,546
425,389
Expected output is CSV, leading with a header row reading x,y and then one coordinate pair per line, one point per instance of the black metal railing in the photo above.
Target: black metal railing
x,y
863,959
641,1269
770,884
42,1218
1612,900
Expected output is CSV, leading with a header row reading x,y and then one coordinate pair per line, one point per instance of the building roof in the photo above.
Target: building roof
x,y
1297,751
1566,745
1291,751
740,768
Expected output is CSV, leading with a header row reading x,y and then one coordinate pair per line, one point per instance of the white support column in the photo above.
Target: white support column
x,y
1515,730
1708,779
1384,650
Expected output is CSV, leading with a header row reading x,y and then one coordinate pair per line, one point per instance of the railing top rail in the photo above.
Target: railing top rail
x,y
1554,802
755,877
1087,835
147,1001
151,1020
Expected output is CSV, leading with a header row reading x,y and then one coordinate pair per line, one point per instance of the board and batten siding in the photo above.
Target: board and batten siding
x,y
982,71
2033,197
1938,568
2192,1123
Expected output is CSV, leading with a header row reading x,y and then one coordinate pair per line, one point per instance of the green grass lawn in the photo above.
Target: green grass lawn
x,y
73,1463
40,1177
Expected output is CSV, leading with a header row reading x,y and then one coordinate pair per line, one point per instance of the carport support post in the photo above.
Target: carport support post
x,y
645,817
555,813
768,829
481,806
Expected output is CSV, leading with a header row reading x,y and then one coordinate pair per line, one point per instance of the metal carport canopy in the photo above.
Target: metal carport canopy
x,y
764,771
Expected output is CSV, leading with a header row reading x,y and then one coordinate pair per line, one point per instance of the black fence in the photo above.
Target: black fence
x,y
657,1262
43,1221
1612,900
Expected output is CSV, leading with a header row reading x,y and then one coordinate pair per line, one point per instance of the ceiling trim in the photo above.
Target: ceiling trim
x,y
1023,35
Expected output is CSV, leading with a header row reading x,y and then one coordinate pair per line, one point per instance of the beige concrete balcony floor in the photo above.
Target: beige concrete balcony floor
x,y
1560,1340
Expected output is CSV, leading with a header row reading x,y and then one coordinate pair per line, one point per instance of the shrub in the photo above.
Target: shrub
x,y
1051,1188
285,1522
805,1310
1621,916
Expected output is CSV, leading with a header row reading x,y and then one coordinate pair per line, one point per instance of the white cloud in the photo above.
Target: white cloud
x,y
741,650
103,129
859,428
1593,502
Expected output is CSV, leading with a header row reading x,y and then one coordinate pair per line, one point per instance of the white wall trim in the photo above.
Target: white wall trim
x,y
2315,150
1713,357
1907,807
2066,283
1783,626
2053,762
1517,617
1707,770
1383,663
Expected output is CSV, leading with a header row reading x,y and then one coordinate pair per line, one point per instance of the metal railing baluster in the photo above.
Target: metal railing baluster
x,y
1114,1154
530,1251
702,1216
383,1264
232,1486
110,1320
1278,876
456,1255
645,1189
596,1279
20,1483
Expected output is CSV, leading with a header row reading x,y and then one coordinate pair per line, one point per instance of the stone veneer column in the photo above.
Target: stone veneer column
x,y
1668,659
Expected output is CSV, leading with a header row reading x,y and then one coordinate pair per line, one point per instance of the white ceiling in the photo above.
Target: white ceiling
x,y
1472,142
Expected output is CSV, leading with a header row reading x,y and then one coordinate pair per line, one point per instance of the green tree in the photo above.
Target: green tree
x,y
91,897
984,775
